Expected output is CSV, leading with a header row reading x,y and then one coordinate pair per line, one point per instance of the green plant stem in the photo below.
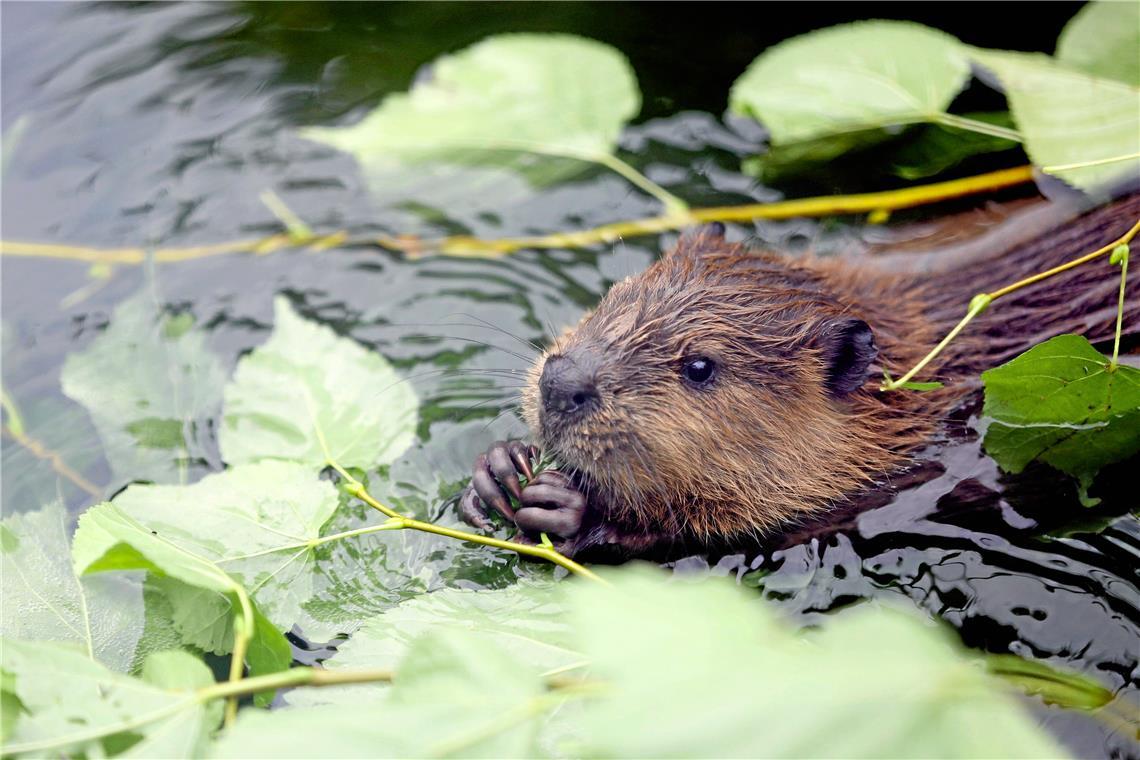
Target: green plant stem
x,y
981,127
674,206
243,631
982,300
297,230
1119,311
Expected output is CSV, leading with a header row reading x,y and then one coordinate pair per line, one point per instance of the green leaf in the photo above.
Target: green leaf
x,y
145,388
306,389
1103,39
527,619
702,670
44,600
73,705
936,148
250,526
858,82
549,94
1059,403
1077,127
456,696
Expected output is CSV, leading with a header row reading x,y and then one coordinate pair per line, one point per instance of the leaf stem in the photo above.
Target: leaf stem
x,y
1121,252
674,206
983,300
243,631
397,521
298,231
981,127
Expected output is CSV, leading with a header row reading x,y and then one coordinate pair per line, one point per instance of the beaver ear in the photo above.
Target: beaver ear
x,y
706,239
848,350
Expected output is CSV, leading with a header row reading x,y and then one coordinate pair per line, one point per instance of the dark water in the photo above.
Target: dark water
x,y
160,125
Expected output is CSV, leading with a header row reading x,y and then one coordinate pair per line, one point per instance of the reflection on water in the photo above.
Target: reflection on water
x,y
161,124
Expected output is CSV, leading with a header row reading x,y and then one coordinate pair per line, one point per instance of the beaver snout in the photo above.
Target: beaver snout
x,y
566,387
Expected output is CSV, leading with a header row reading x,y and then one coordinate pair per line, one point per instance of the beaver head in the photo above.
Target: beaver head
x,y
720,391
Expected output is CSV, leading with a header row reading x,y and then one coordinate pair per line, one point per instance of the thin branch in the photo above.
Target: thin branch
x,y
889,200
981,301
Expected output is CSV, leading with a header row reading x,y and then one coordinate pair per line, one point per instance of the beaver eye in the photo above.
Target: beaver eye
x,y
699,370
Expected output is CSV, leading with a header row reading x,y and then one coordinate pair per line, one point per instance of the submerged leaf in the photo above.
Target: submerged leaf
x,y
145,387
72,705
44,600
550,94
1059,403
1103,39
725,679
250,525
307,389
1082,129
456,696
855,83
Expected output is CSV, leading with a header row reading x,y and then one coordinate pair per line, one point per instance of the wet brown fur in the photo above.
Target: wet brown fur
x,y
766,442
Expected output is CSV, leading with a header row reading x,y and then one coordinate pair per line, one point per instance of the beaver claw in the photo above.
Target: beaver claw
x,y
549,503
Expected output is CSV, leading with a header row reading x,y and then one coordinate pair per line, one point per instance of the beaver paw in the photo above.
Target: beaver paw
x,y
548,504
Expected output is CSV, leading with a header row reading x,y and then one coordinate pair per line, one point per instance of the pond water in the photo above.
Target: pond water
x,y
139,125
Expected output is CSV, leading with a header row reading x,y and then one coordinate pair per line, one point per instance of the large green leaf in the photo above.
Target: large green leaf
x,y
251,526
675,670
848,85
146,382
529,620
540,93
307,389
1078,127
72,705
1103,39
1059,403
456,696
44,600
110,539
702,670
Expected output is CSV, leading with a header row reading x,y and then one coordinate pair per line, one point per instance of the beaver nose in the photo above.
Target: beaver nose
x,y
566,388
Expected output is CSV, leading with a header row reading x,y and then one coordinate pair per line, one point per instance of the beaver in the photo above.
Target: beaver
x,y
725,392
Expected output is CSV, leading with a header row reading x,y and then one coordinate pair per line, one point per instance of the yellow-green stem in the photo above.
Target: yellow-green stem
x,y
864,203
982,300
1119,307
243,631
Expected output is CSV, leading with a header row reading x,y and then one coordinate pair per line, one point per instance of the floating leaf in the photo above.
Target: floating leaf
x,y
251,525
109,538
528,620
1080,128
306,389
145,387
1059,403
72,705
858,82
44,600
676,670
1103,39
724,679
456,696
549,94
